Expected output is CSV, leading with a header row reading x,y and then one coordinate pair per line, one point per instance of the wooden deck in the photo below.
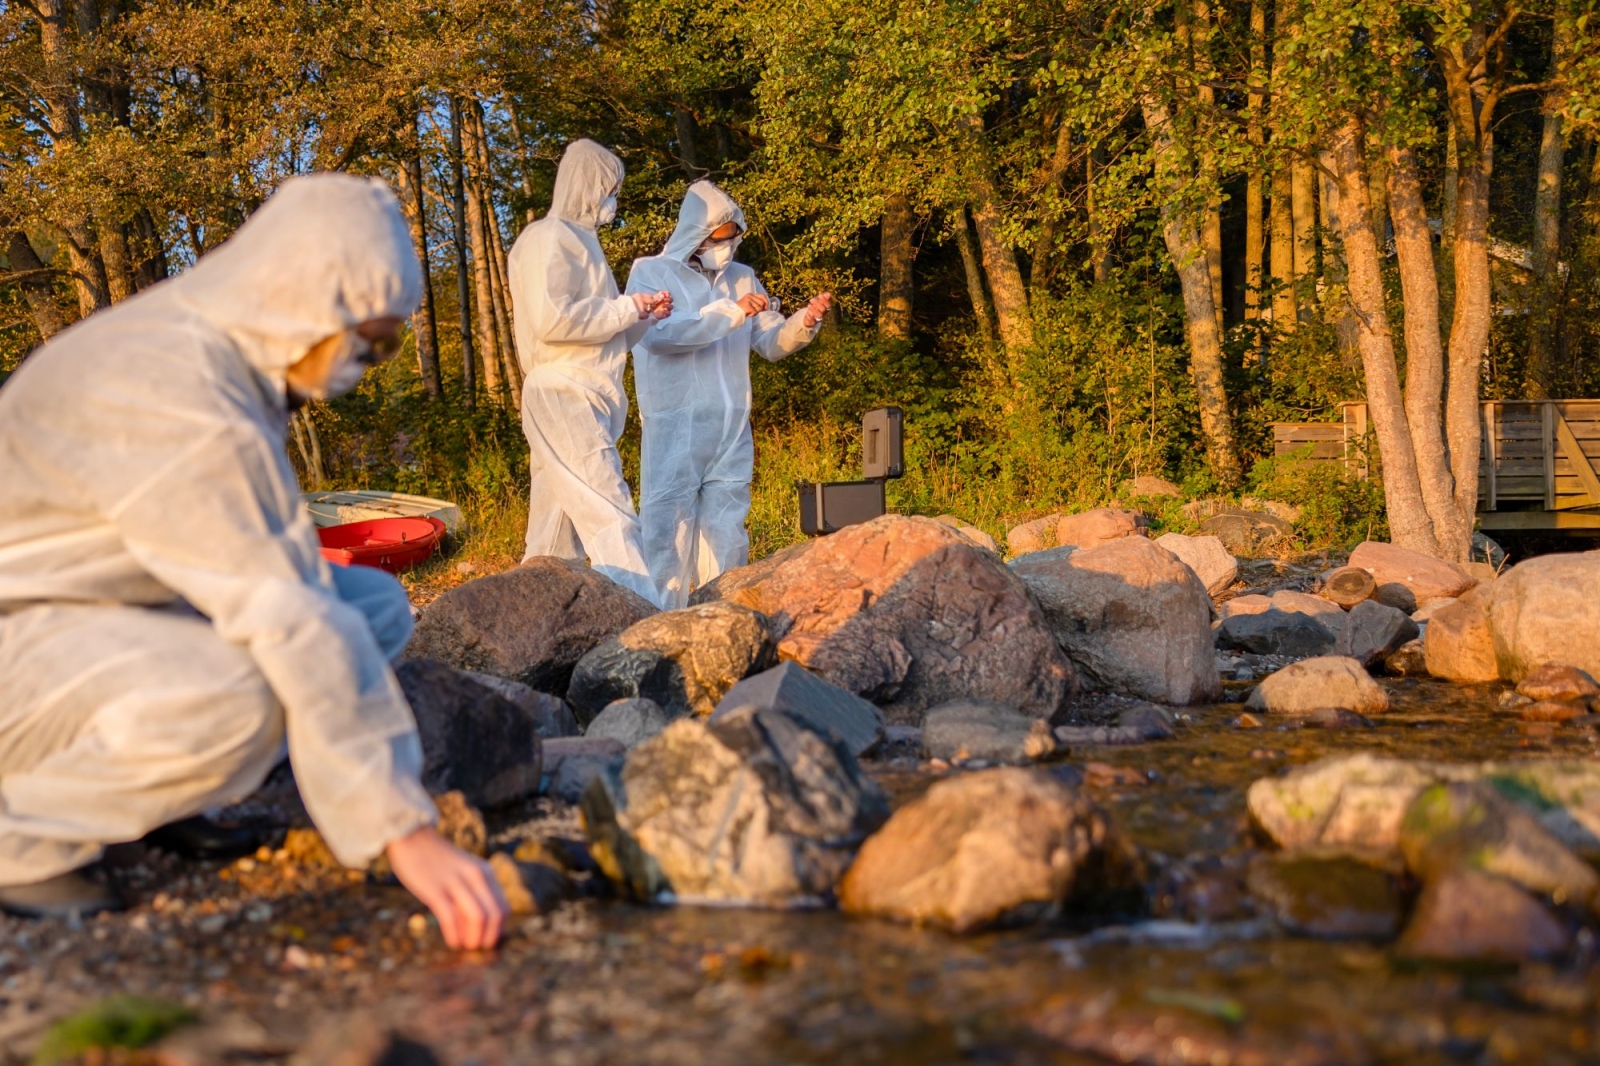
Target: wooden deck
x,y
1539,467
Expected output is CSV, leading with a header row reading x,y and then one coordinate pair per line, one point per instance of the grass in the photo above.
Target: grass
x,y
118,1022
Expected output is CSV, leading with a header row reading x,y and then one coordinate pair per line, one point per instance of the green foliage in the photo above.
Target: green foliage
x,y
1337,509
117,1022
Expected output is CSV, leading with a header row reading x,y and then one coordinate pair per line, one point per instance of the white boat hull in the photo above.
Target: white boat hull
x,y
359,505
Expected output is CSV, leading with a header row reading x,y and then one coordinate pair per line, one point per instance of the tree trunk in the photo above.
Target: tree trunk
x,y
1211,228
999,259
424,324
1542,326
524,174
1409,524
1184,245
1378,192
151,250
1469,326
36,286
1099,239
469,372
1447,222
496,258
1285,296
478,234
1255,237
981,311
895,285
1413,242
1303,193
1051,204
687,158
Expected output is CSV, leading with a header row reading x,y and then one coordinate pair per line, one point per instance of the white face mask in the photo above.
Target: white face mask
x,y
349,363
608,211
717,257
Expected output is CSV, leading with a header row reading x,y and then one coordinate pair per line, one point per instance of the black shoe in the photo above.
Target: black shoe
x,y
201,838
59,897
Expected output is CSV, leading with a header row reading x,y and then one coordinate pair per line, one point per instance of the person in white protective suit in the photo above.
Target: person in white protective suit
x,y
167,623
573,331
692,376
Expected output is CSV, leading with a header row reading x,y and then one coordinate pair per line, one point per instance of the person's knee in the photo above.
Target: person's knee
x,y
382,600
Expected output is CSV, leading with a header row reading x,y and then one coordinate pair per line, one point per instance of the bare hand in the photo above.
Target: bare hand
x,y
753,303
817,308
458,888
662,306
643,302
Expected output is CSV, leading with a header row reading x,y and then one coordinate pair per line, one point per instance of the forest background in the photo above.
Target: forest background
x,y
1077,242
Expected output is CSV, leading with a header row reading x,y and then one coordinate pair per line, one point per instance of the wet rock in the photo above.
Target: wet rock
x,y
1552,711
531,624
1148,487
910,614
1335,718
1547,610
1132,617
472,739
1033,536
1408,660
1328,897
629,722
971,729
1211,562
1471,916
1100,526
1247,533
1470,825
1273,632
461,823
1558,681
1409,579
970,531
683,660
1372,632
531,887
997,847
571,763
1457,645
1314,684
1134,725
753,806
792,689
360,1039
1359,801
551,716
1348,586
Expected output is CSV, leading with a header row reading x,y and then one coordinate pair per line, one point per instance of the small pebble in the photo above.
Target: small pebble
x,y
418,924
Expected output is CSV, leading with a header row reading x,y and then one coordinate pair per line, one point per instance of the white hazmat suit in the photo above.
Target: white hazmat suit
x,y
166,619
573,332
692,376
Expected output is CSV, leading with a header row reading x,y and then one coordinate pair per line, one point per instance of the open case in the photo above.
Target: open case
x,y
827,507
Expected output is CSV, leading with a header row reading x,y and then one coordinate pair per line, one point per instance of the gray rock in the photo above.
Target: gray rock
x,y
1547,610
1408,660
1328,682
1329,897
1471,916
1274,632
1373,631
629,722
1211,562
1132,617
551,715
752,807
973,729
1247,533
683,660
473,740
531,624
997,847
1134,725
572,762
793,689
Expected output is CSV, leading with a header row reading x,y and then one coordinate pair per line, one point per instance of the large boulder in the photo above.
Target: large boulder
x,y
1132,617
1471,916
970,531
996,847
686,660
974,730
794,690
1457,645
1148,487
1408,579
1373,631
629,722
1275,632
753,807
1547,610
1327,896
1359,802
1100,526
730,583
473,740
551,715
1210,560
909,613
1328,682
530,624
1248,533
572,762
1036,535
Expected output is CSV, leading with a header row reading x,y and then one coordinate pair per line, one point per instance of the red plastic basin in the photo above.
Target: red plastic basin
x,y
390,544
